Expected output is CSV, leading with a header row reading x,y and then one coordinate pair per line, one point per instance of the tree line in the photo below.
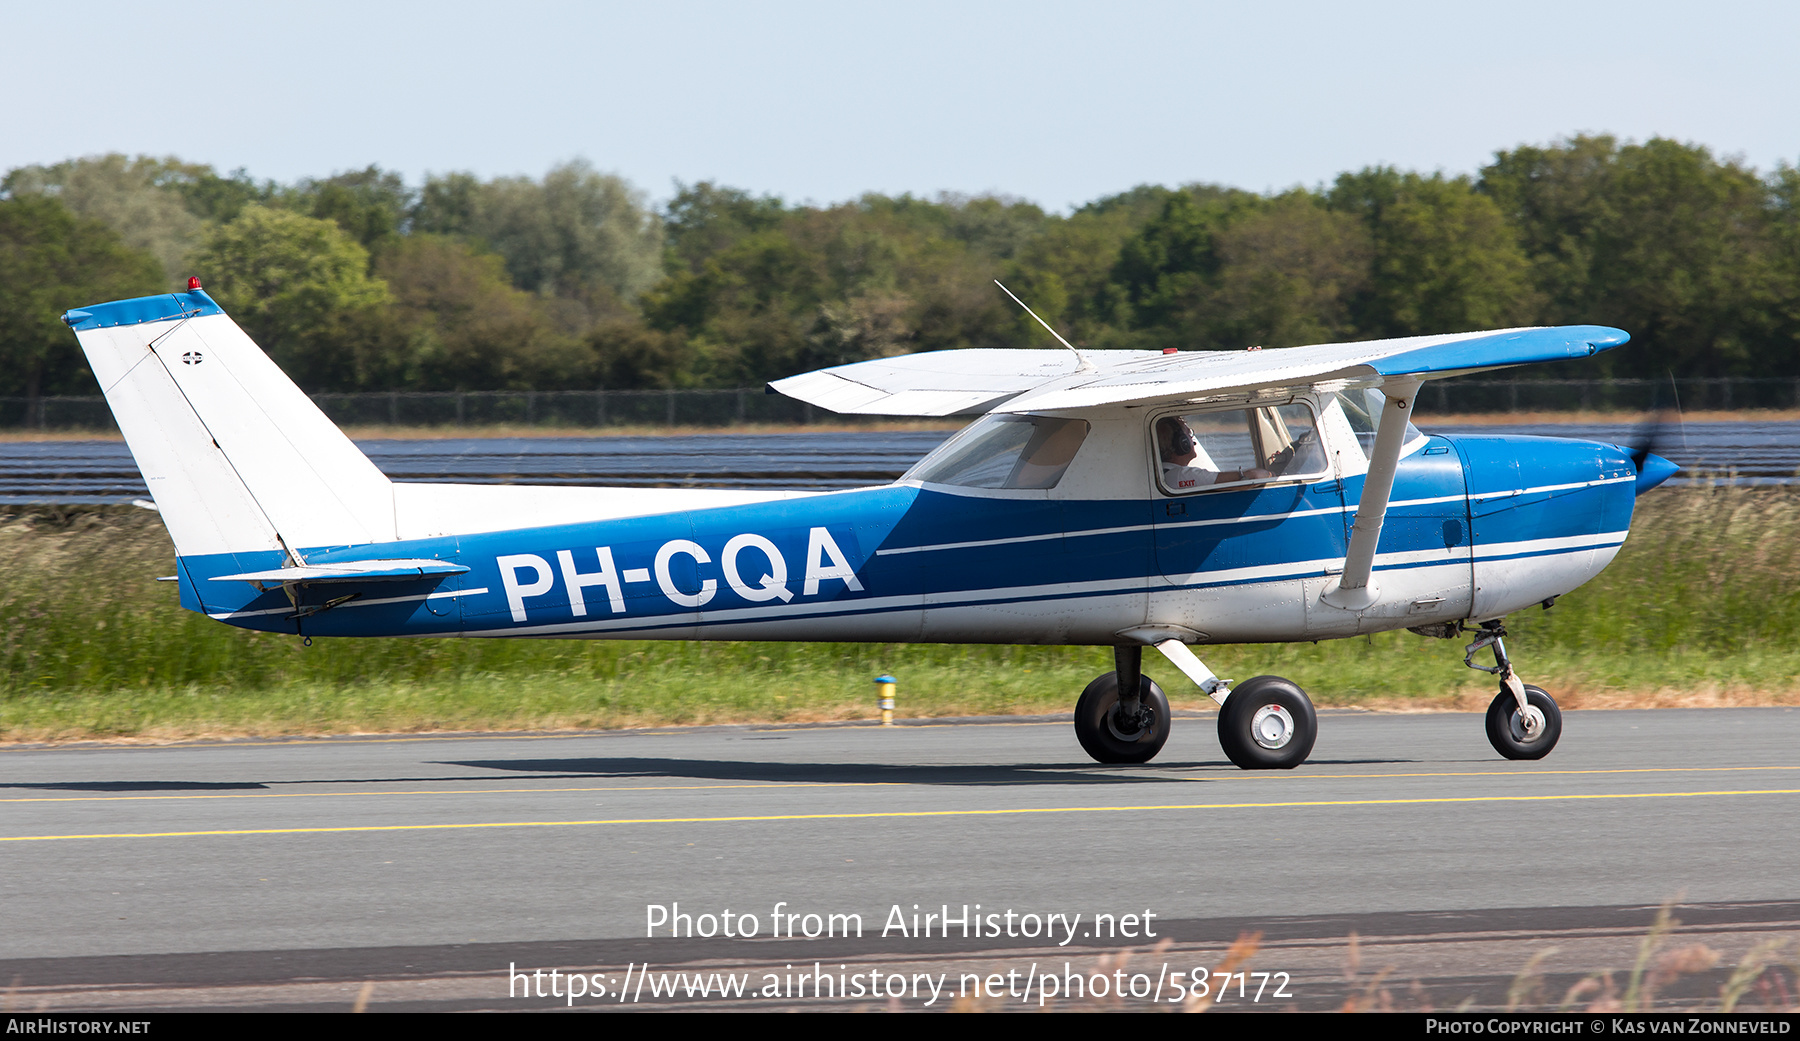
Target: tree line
x,y
360,281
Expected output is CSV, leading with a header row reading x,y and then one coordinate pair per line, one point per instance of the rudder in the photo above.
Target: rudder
x,y
237,458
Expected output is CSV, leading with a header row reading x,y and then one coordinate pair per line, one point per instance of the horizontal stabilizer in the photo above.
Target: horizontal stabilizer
x,y
351,571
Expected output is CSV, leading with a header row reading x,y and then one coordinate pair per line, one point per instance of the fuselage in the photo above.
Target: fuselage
x,y
1477,527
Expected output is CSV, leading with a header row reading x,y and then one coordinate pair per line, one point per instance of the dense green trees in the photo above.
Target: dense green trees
x,y
467,327
1444,258
358,281
1661,239
578,236
51,261
298,285
140,199
778,290
1226,269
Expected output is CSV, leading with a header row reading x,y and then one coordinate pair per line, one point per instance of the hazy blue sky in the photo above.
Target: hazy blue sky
x,y
1055,102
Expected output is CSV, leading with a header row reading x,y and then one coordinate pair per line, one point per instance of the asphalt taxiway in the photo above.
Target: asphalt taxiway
x,y
241,874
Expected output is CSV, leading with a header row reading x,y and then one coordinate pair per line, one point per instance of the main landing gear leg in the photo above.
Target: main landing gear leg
x,y
1523,721
1123,716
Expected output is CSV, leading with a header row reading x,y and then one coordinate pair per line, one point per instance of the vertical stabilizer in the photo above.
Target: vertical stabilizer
x,y
236,457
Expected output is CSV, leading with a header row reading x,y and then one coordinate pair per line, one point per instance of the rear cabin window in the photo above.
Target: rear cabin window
x,y
1202,450
1005,452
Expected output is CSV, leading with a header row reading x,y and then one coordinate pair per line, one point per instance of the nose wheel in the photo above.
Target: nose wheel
x,y
1523,721
1524,733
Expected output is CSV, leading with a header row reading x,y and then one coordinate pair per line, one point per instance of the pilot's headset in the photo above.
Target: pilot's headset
x,y
1173,437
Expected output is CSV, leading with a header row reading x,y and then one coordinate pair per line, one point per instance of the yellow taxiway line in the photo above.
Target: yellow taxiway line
x,y
898,814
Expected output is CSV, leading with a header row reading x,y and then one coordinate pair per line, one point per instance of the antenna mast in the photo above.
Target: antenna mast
x,y
1085,366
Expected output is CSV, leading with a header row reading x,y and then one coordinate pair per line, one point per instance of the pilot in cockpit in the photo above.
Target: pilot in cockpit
x,y
1186,465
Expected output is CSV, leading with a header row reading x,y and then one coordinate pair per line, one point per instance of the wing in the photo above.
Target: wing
x,y
968,382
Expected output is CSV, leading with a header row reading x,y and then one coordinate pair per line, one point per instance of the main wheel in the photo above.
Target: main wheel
x,y
1512,733
1268,723
1109,737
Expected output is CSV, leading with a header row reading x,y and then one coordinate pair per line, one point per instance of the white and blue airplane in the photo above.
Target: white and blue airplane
x,y
1127,499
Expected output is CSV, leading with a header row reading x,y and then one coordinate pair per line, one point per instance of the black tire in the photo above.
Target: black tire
x,y
1508,738
1108,739
1238,718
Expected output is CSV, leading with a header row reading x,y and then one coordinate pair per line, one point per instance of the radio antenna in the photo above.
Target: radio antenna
x,y
1085,366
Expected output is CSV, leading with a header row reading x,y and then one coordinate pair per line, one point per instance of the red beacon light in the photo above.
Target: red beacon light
x,y
193,282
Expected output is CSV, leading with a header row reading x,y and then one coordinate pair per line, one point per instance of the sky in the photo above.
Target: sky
x,y
1058,103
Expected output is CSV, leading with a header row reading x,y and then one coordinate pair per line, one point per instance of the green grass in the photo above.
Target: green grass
x,y
1703,603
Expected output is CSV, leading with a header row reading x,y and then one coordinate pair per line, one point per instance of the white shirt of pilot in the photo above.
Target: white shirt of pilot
x,y
1180,477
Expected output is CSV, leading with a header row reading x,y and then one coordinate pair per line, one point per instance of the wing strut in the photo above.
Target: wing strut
x,y
1356,589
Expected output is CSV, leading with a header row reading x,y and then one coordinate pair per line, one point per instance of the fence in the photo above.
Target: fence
x,y
531,408
588,409
1690,395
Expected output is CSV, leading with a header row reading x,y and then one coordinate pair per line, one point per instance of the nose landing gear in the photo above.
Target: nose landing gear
x,y
1523,721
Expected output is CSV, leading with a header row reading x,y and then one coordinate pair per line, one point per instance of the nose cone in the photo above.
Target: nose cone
x,y
1652,471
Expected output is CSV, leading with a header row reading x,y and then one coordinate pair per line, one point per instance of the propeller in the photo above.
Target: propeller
x,y
1653,469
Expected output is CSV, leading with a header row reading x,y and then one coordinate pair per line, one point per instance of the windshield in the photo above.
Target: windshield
x,y
1004,452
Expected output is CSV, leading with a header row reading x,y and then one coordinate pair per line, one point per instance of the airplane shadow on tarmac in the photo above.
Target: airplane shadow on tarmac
x,y
137,786
871,773
731,770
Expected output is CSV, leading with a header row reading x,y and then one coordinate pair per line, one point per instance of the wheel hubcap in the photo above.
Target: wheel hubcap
x,y
1127,728
1528,725
1272,727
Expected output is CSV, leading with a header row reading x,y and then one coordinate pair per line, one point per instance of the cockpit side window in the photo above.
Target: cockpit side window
x,y
1005,452
1238,447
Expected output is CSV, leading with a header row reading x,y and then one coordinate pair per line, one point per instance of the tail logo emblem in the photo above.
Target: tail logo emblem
x,y
192,358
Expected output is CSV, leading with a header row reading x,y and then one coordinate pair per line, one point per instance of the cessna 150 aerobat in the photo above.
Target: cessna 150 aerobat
x,y
1128,499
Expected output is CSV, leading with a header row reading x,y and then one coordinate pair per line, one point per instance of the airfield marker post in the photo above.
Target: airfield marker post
x,y
884,694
